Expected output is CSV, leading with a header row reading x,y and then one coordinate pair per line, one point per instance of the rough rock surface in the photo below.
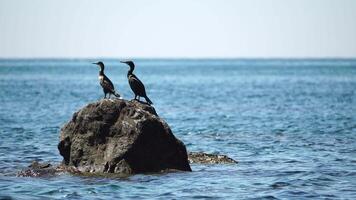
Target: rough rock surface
x,y
119,136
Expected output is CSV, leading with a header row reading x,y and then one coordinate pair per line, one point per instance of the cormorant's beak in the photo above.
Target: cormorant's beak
x,y
95,63
123,61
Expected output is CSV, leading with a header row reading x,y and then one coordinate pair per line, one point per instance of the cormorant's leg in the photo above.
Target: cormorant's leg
x,y
109,95
135,97
105,96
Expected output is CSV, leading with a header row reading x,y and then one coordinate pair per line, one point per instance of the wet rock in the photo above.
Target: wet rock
x,y
38,165
37,169
123,137
204,158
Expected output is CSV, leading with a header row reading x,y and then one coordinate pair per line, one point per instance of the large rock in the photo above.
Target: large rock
x,y
119,136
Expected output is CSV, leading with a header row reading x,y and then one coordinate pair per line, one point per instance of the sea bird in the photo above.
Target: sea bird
x,y
105,82
136,85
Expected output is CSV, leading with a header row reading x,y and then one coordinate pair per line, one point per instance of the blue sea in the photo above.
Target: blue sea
x,y
291,124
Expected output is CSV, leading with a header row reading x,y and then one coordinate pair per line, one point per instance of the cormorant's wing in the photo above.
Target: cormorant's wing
x,y
107,84
138,81
137,85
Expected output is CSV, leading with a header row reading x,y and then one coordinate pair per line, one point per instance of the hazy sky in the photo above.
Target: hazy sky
x,y
178,28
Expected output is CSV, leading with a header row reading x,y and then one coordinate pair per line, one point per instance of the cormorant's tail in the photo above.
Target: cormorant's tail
x,y
116,94
148,100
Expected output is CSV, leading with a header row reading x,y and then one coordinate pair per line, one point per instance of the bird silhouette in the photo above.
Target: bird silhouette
x,y
136,85
105,82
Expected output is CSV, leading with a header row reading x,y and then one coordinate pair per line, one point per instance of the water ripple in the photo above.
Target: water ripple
x,y
290,123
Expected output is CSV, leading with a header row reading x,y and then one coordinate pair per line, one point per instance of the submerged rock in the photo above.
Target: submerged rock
x,y
119,136
204,158
36,169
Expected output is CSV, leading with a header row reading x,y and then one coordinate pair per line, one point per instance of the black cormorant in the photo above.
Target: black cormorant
x,y
105,82
136,85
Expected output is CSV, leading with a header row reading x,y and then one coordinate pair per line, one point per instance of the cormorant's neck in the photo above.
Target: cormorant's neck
x,y
130,70
101,72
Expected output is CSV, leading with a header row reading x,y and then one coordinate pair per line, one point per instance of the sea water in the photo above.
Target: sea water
x,y
291,124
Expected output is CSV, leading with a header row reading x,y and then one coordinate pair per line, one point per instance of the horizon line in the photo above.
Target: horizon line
x,y
185,58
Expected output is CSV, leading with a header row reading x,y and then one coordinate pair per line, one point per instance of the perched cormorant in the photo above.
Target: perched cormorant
x,y
136,85
105,82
